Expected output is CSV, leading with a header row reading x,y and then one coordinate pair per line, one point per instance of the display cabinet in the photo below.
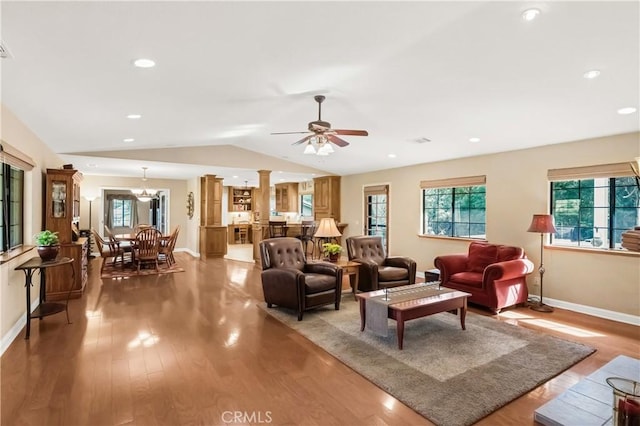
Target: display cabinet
x,y
62,215
240,199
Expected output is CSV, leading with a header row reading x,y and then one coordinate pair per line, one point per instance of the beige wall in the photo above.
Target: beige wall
x,y
12,293
176,189
517,188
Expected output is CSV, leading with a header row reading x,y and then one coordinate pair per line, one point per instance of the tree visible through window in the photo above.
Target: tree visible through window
x,y
121,213
594,212
455,211
11,207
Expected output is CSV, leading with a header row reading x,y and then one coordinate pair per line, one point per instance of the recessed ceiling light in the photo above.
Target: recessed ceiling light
x,y
392,156
591,74
235,176
128,140
144,63
92,165
627,110
474,139
530,14
134,116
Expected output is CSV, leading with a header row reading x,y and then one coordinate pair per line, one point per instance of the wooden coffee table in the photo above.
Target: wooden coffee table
x,y
419,307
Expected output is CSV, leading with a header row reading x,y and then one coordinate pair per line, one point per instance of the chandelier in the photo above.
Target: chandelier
x,y
144,194
319,145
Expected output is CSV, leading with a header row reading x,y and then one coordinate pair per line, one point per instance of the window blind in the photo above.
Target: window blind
x,y
587,172
13,157
454,182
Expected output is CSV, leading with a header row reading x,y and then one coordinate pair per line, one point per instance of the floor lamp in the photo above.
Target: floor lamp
x,y
542,224
90,200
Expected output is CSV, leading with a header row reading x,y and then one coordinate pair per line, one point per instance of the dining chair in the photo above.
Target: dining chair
x,y
277,228
147,247
166,250
124,245
107,250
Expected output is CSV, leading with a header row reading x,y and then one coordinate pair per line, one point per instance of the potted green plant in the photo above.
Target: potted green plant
x,y
331,251
48,244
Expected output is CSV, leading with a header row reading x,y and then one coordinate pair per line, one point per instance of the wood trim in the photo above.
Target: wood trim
x,y
445,237
454,182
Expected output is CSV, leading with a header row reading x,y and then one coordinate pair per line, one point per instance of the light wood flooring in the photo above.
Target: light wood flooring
x,y
189,348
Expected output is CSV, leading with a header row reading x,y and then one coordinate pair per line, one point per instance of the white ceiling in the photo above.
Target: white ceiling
x,y
230,73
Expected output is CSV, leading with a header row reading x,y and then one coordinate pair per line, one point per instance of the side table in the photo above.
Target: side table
x,y
44,308
431,275
352,270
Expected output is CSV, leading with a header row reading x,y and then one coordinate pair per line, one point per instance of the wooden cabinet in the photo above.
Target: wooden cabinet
x,y
286,197
62,209
62,215
240,199
326,197
213,236
59,279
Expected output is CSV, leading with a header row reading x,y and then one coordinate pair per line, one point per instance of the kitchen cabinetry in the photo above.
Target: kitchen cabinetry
x,y
240,199
286,197
62,215
326,197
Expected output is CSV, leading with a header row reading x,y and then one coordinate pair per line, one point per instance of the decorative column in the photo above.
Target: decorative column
x,y
262,208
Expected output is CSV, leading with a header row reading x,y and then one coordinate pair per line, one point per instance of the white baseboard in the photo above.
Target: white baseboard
x,y
189,251
14,331
583,309
596,312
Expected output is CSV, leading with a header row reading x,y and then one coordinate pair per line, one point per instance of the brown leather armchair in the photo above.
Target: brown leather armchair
x,y
377,271
289,281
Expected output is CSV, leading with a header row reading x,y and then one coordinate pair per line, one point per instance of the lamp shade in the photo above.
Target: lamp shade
x,y
542,224
327,228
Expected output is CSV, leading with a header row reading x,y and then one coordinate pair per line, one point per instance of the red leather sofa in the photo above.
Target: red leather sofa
x,y
494,274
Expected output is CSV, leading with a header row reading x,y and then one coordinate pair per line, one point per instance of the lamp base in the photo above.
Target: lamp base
x,y
541,307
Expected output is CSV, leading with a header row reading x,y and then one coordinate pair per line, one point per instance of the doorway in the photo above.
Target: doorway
x,y
376,207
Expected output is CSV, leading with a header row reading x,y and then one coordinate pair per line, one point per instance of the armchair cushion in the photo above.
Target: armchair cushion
x,y
481,255
473,279
315,283
392,273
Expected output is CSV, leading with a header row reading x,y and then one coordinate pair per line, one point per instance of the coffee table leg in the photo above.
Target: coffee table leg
x,y
400,331
363,314
463,313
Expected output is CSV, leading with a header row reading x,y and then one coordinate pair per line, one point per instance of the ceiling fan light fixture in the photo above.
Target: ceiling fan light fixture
x,y
309,149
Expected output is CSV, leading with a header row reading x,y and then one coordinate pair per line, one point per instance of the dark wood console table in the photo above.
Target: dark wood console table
x,y
44,308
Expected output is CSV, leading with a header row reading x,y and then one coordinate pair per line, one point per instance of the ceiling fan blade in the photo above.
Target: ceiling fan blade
x,y
303,140
289,133
336,140
350,132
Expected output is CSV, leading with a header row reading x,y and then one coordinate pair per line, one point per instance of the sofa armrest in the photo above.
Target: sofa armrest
x,y
325,268
507,270
450,264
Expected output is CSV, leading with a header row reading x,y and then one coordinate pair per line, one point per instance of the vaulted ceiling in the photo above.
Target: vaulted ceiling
x,y
422,77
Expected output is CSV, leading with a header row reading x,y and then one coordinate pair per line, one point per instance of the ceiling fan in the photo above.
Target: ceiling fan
x,y
322,134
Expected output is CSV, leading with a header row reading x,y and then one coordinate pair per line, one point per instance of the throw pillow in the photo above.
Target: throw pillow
x,y
509,253
481,256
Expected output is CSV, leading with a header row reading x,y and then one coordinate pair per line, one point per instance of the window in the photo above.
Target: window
x,y
594,212
121,213
306,205
454,207
12,207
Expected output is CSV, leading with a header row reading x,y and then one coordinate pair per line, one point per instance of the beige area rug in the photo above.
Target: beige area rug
x,y
117,271
450,376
